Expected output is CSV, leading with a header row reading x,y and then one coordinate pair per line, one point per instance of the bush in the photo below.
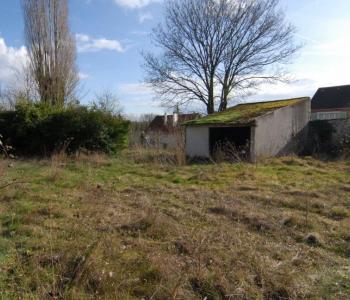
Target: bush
x,y
36,129
319,141
322,144
345,146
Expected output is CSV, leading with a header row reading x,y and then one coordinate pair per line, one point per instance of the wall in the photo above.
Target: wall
x,y
280,131
197,141
171,140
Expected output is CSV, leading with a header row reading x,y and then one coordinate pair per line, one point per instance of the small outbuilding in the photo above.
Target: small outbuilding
x,y
251,130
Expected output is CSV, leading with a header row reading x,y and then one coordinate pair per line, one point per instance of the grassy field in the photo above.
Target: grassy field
x,y
134,228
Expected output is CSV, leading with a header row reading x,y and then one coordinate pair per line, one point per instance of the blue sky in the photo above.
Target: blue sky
x,y
112,33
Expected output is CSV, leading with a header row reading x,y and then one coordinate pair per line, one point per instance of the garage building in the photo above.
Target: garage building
x,y
253,130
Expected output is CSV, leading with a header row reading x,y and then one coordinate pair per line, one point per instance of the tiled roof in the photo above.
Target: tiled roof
x,y
331,97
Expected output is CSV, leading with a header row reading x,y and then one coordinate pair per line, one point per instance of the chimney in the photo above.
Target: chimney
x,y
165,119
175,118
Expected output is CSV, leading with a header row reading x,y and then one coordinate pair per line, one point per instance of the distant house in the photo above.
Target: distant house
x,y
254,129
331,103
166,131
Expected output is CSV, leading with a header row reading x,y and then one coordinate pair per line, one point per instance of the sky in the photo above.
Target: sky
x,y
111,34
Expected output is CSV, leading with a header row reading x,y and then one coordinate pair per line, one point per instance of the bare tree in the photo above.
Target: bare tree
x,y
22,88
52,49
213,49
9,97
2,98
107,101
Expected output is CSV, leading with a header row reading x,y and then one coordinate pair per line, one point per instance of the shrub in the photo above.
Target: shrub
x,y
36,129
319,140
345,146
3,147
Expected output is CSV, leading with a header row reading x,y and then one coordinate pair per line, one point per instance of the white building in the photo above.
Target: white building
x,y
251,130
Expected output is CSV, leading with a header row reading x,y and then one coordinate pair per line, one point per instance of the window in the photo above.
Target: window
x,y
329,115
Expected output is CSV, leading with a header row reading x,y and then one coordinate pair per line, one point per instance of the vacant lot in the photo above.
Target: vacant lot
x,y
133,228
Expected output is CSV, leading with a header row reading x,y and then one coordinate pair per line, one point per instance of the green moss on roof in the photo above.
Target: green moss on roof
x,y
244,113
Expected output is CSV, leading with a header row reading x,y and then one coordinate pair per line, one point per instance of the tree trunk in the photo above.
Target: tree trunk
x,y
211,96
210,107
223,100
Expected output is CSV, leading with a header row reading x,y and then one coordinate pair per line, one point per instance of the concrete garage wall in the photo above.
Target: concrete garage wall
x,y
197,141
278,132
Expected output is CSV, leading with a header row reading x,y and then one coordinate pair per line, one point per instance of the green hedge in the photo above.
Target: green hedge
x,y
34,129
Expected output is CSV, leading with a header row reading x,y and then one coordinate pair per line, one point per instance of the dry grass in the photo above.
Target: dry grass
x,y
142,226
157,155
2,168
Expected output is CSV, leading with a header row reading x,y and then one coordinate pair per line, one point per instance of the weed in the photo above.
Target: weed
x,y
339,213
206,289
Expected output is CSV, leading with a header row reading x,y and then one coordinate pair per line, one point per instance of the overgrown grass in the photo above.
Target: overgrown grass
x,y
134,227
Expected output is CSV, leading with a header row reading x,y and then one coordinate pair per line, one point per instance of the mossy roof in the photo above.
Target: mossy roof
x,y
244,113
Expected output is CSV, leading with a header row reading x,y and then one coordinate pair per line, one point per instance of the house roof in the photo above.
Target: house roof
x,y
242,114
331,97
158,123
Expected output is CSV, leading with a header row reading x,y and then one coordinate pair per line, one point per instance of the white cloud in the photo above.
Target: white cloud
x,y
307,79
138,98
140,32
132,4
82,38
12,60
85,43
323,62
135,89
83,76
145,16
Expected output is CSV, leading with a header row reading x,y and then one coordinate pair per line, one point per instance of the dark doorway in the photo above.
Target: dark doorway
x,y
231,143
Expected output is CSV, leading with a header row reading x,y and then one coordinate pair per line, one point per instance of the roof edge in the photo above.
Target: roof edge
x,y
280,100
334,86
299,100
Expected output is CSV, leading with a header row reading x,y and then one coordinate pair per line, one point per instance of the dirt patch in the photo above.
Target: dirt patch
x,y
182,248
